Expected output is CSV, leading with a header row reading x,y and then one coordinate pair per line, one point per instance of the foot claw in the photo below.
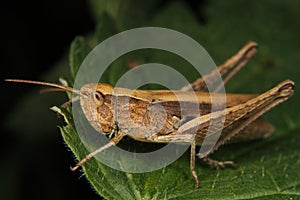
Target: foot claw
x,y
74,168
219,164
197,186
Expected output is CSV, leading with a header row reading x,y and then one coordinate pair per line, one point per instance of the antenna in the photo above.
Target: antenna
x,y
65,88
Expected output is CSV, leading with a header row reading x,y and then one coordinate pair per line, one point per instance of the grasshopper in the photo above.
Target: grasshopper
x,y
242,112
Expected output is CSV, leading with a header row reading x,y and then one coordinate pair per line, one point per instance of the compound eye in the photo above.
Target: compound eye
x,y
98,97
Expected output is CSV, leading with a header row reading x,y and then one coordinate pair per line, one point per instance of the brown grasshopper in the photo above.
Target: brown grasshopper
x,y
241,115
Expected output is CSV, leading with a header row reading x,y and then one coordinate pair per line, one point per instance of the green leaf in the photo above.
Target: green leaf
x,y
268,169
78,51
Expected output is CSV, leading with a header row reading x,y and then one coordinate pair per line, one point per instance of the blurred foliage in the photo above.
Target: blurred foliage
x,y
268,169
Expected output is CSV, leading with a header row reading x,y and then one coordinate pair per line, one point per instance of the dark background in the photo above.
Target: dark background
x,y
35,35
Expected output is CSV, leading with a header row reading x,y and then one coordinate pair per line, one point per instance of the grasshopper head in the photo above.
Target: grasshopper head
x,y
95,101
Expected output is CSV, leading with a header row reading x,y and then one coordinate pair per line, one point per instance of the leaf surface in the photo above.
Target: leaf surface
x,y
268,169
